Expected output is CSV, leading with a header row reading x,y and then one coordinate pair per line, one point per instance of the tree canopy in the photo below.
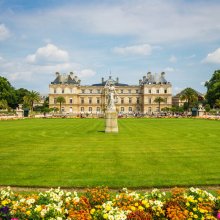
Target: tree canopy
x,y
190,96
7,92
31,98
213,88
61,100
159,100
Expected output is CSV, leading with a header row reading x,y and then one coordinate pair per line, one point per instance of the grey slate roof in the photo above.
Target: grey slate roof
x,y
66,79
110,81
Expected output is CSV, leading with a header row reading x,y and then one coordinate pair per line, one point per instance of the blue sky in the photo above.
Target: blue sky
x,y
93,38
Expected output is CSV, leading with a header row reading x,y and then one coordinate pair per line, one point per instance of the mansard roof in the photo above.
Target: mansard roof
x,y
154,79
110,81
66,79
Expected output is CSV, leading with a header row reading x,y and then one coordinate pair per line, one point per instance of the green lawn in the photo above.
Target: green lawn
x,y
77,153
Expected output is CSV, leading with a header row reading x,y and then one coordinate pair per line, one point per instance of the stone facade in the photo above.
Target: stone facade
x,y
91,99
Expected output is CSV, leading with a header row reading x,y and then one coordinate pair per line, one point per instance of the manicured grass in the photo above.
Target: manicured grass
x,y
77,153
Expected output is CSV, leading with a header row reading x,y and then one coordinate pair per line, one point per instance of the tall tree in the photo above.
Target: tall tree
x,y
31,98
190,96
3,104
20,94
217,103
7,92
213,88
159,100
61,100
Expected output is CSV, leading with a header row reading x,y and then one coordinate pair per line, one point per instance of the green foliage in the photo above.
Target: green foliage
x,y
60,100
190,96
20,93
31,98
213,88
7,92
159,100
207,108
3,104
75,152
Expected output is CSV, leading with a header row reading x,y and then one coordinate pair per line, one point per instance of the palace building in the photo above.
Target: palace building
x,y
91,99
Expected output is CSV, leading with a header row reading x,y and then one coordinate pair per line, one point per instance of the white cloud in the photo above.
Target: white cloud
x,y
213,57
48,54
86,73
143,49
169,69
173,59
4,32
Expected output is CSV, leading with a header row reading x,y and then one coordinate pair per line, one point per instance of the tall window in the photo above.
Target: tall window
x,y
122,100
55,100
82,100
62,90
130,100
90,109
71,100
98,109
55,91
122,91
138,100
98,101
82,109
83,90
90,100
158,91
149,90
149,100
130,109
129,91
90,91
165,91
137,91
122,109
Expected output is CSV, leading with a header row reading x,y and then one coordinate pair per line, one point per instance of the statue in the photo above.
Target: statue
x,y
111,115
111,97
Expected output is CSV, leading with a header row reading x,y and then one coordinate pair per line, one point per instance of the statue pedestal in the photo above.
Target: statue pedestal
x,y
111,122
20,113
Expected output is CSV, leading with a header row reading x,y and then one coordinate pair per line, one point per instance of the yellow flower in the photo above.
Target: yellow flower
x,y
140,208
194,209
200,199
195,216
4,202
105,216
136,204
38,208
108,208
187,204
92,211
144,202
133,208
28,213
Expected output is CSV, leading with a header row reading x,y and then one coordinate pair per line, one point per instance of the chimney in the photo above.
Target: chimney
x,y
57,73
102,79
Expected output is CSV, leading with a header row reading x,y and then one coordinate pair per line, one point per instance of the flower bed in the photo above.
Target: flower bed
x,y
99,203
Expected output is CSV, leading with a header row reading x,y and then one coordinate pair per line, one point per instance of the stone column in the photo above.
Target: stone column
x,y
111,122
